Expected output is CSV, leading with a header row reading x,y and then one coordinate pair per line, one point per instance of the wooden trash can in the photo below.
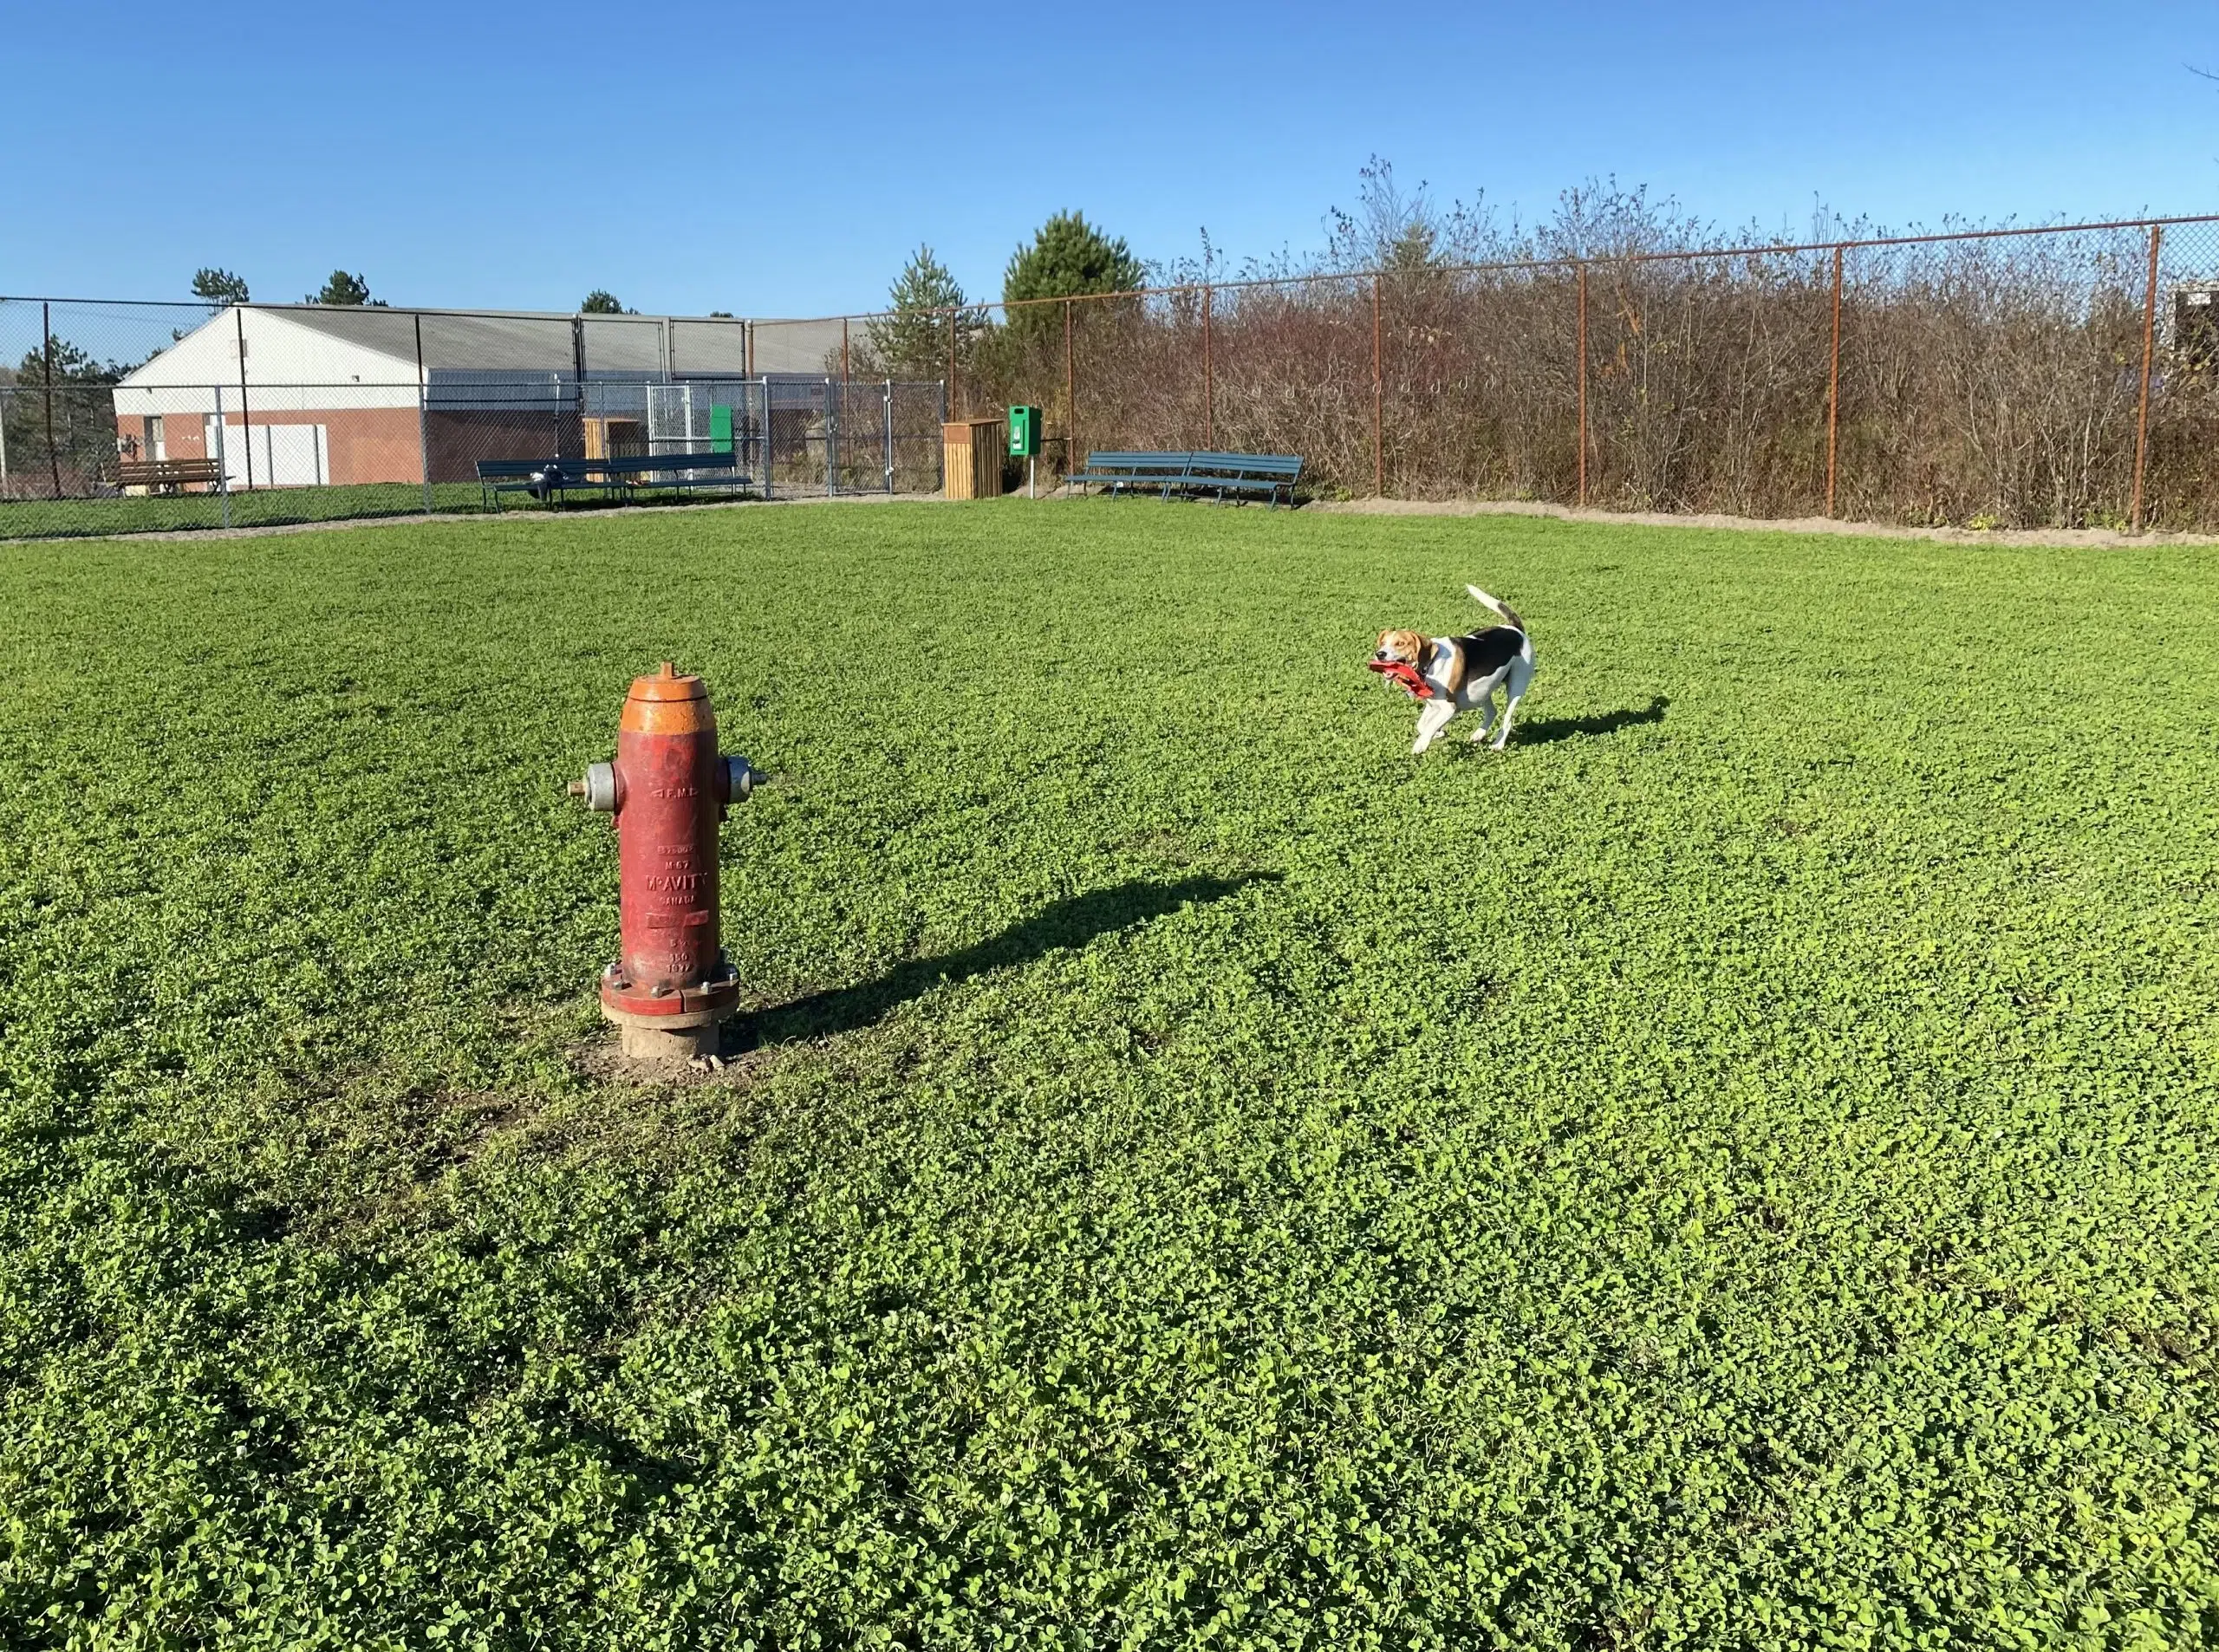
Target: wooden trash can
x,y
971,456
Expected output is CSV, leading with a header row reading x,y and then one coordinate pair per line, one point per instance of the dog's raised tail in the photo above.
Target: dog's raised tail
x,y
1501,609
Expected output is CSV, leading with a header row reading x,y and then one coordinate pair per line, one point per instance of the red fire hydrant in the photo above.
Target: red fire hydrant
x,y
670,984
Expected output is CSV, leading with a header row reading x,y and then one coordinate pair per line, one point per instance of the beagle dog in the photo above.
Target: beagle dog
x,y
1452,674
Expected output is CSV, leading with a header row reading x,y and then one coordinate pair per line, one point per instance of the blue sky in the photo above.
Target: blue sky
x,y
783,160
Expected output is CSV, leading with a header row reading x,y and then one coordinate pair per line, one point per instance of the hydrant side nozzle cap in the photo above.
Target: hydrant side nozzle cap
x,y
600,788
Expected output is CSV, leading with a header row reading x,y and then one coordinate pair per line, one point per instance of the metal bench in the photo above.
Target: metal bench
x,y
168,475
547,479
1270,474
551,480
718,469
1118,471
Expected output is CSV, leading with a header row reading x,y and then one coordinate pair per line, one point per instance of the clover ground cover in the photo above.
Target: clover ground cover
x,y
1738,1168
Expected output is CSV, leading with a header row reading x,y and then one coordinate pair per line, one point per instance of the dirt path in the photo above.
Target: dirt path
x,y
2098,538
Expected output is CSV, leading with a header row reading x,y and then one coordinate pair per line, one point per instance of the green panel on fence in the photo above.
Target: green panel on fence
x,y
720,430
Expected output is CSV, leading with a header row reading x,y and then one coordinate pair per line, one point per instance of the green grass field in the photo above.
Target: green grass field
x,y
1740,1168
272,507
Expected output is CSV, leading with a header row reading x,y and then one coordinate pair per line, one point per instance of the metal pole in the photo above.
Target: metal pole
x,y
578,366
1583,386
844,349
1378,404
888,404
46,332
2148,350
950,388
4,444
831,437
1070,397
246,419
423,414
222,470
940,446
1833,387
1209,377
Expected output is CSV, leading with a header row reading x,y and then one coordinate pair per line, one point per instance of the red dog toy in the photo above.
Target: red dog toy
x,y
1404,672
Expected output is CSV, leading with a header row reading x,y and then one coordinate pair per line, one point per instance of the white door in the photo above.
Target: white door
x,y
293,453
275,456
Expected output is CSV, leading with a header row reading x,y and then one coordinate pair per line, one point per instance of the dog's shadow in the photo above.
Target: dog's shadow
x,y
1072,922
1547,730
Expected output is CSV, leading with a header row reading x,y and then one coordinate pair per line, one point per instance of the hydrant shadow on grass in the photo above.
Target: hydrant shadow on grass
x,y
1072,922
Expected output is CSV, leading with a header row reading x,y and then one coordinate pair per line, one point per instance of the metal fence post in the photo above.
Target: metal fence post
x,y
1833,387
1378,404
766,436
1070,397
2148,350
246,419
1209,377
578,366
844,349
45,332
832,436
1582,375
940,446
888,404
222,470
423,415
949,400
4,444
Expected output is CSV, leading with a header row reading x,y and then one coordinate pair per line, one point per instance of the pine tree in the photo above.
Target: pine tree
x,y
911,340
1068,257
345,289
219,286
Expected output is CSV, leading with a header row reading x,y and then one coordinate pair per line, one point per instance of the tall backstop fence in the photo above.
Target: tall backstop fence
x,y
2053,377
129,417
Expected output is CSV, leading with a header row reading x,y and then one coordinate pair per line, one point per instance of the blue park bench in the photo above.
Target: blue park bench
x,y
551,479
1270,474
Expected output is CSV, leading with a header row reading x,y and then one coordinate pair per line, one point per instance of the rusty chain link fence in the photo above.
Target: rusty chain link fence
x,y
2050,378
2046,378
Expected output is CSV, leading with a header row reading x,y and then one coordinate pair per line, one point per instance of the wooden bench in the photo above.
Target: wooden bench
x,y
168,475
553,479
1270,474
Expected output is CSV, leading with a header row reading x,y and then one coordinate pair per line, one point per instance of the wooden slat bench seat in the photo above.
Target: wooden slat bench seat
x,y
168,475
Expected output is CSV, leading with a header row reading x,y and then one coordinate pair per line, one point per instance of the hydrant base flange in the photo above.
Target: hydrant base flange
x,y
621,1000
